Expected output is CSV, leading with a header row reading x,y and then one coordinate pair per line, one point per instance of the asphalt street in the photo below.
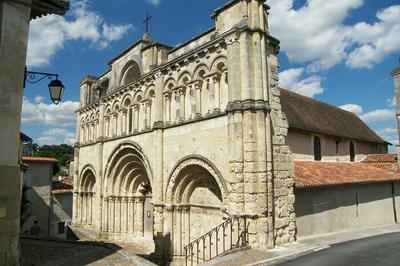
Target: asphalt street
x,y
372,251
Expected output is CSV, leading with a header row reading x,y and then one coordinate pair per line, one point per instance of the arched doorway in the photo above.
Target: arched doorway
x,y
86,197
128,195
197,194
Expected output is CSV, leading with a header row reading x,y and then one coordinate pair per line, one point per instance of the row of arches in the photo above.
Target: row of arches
x,y
195,189
202,92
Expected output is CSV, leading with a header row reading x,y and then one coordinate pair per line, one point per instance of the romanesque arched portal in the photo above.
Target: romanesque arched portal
x,y
128,193
86,196
196,192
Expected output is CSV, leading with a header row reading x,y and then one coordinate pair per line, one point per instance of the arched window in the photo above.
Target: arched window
x,y
352,152
317,149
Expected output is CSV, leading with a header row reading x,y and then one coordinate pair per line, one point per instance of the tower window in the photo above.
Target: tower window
x,y
317,149
352,152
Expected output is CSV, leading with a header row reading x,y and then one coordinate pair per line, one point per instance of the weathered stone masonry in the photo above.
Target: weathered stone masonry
x,y
175,140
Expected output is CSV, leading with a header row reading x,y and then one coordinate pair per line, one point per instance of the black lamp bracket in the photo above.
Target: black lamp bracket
x,y
35,77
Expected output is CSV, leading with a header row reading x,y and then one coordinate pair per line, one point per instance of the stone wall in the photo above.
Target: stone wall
x,y
336,208
210,114
302,146
14,24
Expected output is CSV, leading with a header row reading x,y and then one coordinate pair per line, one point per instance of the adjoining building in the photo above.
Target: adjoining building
x,y
182,144
61,206
38,180
50,200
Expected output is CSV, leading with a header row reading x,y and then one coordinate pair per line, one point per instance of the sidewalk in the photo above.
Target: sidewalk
x,y
302,247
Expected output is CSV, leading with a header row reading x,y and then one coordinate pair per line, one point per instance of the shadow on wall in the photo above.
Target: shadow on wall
x,y
39,210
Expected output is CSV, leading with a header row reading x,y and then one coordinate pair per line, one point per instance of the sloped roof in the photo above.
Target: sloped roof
x,y
39,159
62,186
46,7
384,161
323,174
307,114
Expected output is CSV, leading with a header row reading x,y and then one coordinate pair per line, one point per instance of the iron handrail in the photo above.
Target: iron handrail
x,y
226,227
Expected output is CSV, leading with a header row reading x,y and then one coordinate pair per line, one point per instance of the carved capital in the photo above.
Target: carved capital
x,y
231,39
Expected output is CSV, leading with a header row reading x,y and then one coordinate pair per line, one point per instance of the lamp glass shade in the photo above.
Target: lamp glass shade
x,y
56,89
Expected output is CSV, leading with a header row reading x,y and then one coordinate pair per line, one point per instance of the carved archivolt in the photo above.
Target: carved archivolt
x,y
174,180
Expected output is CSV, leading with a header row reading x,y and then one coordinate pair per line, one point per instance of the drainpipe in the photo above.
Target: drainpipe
x,y
394,202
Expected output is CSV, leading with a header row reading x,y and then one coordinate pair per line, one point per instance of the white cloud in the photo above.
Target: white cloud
x,y
49,34
354,108
391,102
293,79
38,112
154,2
316,33
380,115
375,41
389,134
56,136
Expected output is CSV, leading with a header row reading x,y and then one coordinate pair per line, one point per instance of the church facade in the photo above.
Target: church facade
x,y
173,141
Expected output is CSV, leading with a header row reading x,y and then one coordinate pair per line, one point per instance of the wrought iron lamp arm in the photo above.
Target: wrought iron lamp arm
x,y
35,77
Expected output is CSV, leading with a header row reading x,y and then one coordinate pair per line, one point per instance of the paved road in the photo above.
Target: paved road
x,y
383,250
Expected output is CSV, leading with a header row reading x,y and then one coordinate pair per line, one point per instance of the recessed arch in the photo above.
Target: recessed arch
x,y
219,64
178,175
130,72
200,71
184,78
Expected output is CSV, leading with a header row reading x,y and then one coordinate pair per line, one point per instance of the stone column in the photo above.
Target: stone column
x,y
232,42
178,231
112,214
182,110
167,108
188,102
130,215
136,118
123,122
158,103
148,114
185,226
139,223
106,126
198,86
217,93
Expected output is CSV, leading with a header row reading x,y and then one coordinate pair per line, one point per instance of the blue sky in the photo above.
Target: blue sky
x,y
340,52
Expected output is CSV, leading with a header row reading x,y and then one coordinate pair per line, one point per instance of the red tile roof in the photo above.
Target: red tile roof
x,y
380,158
318,174
40,159
62,186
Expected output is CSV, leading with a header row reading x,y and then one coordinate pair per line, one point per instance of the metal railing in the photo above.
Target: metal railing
x,y
229,235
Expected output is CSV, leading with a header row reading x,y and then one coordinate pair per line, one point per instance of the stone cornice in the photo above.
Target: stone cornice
x,y
248,105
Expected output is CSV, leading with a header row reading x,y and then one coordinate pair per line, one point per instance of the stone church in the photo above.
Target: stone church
x,y
195,146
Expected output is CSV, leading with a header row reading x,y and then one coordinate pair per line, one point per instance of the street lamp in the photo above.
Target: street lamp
x,y
56,88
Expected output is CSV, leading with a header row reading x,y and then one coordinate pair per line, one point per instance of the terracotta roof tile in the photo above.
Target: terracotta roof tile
x,y
40,159
62,186
307,114
380,158
318,174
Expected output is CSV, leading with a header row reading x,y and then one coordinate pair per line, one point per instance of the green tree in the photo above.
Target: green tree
x,y
30,149
62,152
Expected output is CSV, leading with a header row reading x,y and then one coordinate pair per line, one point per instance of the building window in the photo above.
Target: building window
x,y
61,228
317,149
352,152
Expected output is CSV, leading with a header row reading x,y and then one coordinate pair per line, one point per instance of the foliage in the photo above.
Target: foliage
x,y
62,153
30,149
